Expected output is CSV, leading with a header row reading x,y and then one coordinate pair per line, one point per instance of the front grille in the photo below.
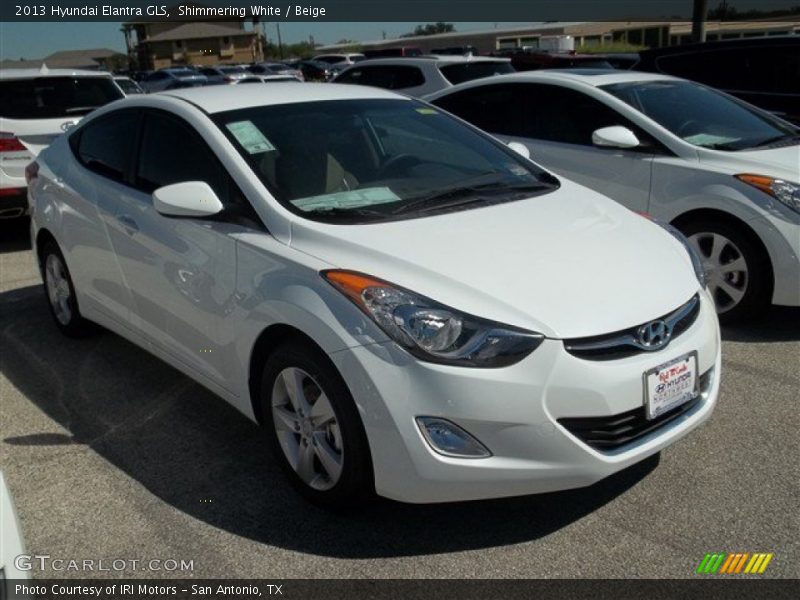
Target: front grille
x,y
612,432
621,344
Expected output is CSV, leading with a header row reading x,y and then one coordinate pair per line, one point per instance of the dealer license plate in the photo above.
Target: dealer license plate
x,y
671,384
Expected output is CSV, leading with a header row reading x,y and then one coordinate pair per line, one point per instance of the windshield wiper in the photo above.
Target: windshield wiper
x,y
465,195
336,211
77,109
777,138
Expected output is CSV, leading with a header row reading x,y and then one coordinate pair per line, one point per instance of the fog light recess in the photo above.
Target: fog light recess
x,y
449,439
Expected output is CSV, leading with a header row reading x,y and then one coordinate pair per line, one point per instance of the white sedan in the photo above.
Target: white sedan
x,y
725,173
407,305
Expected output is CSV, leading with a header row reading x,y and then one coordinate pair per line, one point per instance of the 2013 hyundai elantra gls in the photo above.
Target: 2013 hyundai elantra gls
x,y
406,305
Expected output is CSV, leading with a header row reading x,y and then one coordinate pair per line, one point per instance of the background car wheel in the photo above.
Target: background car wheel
x,y
738,270
314,427
60,294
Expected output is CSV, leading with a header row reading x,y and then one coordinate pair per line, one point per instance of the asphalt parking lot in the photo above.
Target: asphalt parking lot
x,y
110,453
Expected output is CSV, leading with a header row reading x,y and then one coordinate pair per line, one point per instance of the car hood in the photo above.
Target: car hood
x,y
781,163
569,263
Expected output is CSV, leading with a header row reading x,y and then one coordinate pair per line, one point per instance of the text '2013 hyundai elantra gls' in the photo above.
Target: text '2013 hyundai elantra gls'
x,y
406,305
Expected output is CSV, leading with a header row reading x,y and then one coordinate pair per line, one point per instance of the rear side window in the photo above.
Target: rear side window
x,y
106,146
493,108
172,152
388,77
467,71
55,97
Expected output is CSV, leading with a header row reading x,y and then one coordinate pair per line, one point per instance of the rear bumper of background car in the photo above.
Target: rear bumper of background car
x,y
516,412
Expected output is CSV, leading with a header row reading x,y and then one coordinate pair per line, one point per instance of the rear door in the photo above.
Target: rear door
x,y
181,271
91,188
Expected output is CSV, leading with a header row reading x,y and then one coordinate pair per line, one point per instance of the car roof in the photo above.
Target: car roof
x,y
214,99
45,72
593,77
444,58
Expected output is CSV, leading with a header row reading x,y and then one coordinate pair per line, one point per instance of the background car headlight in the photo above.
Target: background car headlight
x,y
784,191
431,331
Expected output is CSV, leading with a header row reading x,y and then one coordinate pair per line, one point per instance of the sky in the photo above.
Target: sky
x,y
37,40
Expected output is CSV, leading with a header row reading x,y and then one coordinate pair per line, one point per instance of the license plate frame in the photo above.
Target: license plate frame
x,y
655,406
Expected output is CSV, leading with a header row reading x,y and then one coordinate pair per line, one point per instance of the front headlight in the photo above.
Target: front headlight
x,y
697,262
431,331
784,191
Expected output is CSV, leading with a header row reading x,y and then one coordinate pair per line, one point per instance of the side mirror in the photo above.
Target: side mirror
x,y
616,136
187,199
520,149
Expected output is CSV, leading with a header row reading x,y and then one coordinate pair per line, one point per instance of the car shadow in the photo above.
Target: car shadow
x,y
778,324
14,235
199,455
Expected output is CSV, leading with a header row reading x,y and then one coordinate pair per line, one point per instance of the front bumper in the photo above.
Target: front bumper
x,y
514,412
782,239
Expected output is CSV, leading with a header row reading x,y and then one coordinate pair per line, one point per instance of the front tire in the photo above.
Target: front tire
x,y
314,428
60,293
738,270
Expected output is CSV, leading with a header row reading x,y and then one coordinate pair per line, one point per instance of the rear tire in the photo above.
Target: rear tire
x,y
314,427
738,270
60,294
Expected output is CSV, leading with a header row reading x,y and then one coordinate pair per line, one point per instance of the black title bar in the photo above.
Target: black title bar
x,y
382,10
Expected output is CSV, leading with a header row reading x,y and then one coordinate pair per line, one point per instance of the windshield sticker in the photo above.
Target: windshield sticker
x,y
350,199
427,111
709,139
250,137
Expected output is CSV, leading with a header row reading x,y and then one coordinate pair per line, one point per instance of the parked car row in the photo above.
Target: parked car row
x,y
360,270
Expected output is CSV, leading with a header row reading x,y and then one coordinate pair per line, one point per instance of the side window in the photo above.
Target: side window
x,y
171,152
106,146
563,115
352,76
385,76
494,108
405,77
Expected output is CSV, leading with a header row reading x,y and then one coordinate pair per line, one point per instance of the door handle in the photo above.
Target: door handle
x,y
128,224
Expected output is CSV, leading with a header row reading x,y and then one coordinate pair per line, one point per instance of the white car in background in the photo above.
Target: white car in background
x,y
419,76
347,58
12,544
36,106
725,173
406,304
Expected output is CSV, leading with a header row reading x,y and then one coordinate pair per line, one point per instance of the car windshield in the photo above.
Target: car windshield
x,y
702,116
467,71
358,161
55,97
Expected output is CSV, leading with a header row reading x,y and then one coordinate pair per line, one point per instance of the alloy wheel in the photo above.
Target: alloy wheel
x,y
725,266
58,290
307,428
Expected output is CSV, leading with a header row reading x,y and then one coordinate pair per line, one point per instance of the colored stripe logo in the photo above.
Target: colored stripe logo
x,y
724,563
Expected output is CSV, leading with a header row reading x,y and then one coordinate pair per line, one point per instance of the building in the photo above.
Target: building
x,y
155,45
93,59
650,34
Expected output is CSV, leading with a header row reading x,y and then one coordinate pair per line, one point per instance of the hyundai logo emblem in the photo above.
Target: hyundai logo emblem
x,y
67,125
654,335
